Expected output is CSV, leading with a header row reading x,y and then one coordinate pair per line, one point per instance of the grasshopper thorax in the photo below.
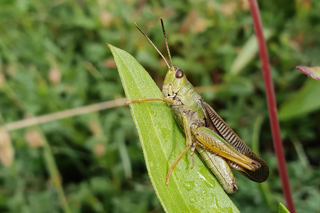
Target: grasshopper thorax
x,y
174,80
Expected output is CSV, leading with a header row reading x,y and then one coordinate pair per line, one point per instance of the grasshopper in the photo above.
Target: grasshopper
x,y
206,132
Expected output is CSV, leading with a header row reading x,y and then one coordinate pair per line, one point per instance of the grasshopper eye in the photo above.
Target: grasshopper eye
x,y
179,73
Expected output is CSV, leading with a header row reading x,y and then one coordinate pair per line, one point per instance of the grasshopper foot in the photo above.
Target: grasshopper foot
x,y
168,176
193,149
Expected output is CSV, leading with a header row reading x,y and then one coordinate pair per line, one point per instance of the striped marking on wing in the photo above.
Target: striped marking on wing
x,y
224,130
213,119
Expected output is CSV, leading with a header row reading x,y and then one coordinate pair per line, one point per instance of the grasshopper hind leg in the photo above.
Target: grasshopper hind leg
x,y
220,169
176,162
189,145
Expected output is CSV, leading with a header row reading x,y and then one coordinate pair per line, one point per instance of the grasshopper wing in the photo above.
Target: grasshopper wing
x,y
218,125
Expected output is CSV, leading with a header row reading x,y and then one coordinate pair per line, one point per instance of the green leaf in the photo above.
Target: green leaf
x,y
247,53
282,209
194,190
302,102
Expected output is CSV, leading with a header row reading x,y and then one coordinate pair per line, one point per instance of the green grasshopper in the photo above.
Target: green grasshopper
x,y
218,145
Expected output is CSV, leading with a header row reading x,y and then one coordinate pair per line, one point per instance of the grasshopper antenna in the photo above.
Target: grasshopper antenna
x,y
165,39
153,45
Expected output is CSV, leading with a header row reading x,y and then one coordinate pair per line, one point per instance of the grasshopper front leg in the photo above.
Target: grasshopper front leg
x,y
167,100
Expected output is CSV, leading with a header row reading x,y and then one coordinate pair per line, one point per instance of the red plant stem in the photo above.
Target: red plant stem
x,y
274,123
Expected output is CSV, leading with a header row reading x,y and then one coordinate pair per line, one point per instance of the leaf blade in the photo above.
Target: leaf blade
x,y
302,102
282,209
193,190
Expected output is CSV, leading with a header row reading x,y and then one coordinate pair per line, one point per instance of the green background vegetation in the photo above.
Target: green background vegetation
x,y
53,58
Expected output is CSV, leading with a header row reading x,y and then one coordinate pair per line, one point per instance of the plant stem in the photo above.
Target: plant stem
x,y
63,114
272,108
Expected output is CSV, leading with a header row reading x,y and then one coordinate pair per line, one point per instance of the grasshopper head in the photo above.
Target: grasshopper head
x,y
174,80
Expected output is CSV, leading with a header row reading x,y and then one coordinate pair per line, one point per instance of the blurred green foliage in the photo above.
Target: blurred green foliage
x,y
53,58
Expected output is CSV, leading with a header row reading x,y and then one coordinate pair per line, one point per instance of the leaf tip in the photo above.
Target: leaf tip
x,y
301,68
313,72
